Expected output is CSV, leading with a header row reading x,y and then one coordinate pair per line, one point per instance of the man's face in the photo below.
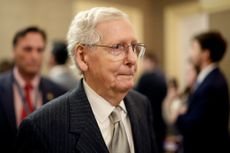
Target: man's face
x,y
106,72
28,53
196,53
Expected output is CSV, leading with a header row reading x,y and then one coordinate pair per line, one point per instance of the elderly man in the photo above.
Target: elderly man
x,y
101,115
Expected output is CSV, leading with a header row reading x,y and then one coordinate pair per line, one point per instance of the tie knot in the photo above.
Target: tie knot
x,y
28,86
115,116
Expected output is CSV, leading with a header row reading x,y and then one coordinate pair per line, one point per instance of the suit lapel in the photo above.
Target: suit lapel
x,y
134,117
202,85
44,91
83,124
215,70
9,104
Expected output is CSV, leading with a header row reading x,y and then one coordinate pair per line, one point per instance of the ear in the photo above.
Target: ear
x,y
13,53
80,57
206,55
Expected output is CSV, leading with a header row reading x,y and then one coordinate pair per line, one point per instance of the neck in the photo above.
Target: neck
x,y
112,96
205,64
26,76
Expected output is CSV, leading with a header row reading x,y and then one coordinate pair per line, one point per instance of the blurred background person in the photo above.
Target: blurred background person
x,y
153,84
191,74
204,124
171,102
6,65
23,89
60,71
174,101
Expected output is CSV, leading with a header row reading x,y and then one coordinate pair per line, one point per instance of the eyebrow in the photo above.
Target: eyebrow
x,y
30,47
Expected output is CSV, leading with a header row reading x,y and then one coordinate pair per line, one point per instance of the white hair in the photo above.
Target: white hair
x,y
82,30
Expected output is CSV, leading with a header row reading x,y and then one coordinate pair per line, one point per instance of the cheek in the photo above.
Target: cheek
x,y
195,56
109,74
100,68
19,58
40,57
23,56
111,70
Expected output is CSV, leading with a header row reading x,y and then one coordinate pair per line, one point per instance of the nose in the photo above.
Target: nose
x,y
35,54
131,57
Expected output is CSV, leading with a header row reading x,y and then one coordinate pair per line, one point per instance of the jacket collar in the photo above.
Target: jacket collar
x,y
207,77
83,123
134,116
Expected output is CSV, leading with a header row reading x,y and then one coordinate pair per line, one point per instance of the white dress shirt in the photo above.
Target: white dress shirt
x,y
18,103
101,110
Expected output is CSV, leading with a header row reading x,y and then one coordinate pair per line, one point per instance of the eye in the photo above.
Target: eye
x,y
27,49
40,49
133,46
117,47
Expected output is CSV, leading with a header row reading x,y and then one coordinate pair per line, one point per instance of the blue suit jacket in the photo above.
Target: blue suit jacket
x,y
67,125
8,127
205,125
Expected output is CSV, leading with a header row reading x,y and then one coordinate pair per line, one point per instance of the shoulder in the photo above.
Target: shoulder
x,y
46,80
132,94
43,125
50,85
53,110
5,76
137,100
6,79
216,79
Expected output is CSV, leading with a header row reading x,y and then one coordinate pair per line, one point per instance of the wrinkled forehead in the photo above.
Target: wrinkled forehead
x,y
118,30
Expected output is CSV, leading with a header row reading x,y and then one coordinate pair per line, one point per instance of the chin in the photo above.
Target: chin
x,y
32,72
125,87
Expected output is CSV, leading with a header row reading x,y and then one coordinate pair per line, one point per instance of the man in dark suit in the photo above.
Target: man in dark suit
x,y
15,101
102,115
204,125
153,84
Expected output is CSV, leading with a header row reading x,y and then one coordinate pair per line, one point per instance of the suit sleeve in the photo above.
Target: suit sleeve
x,y
199,113
30,139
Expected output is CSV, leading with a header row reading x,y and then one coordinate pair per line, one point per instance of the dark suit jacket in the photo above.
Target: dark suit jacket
x,y
205,125
8,127
153,85
67,125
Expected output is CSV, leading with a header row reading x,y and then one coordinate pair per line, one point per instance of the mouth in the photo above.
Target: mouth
x,y
129,76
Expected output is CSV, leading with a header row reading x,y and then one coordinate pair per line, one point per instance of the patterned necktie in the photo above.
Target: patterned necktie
x,y
28,102
119,142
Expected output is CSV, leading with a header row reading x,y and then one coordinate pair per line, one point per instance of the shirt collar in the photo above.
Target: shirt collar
x,y
22,82
204,73
101,107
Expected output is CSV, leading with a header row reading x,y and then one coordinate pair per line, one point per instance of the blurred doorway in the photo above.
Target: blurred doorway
x,y
181,23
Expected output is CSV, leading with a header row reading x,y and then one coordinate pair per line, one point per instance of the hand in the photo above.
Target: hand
x,y
182,110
